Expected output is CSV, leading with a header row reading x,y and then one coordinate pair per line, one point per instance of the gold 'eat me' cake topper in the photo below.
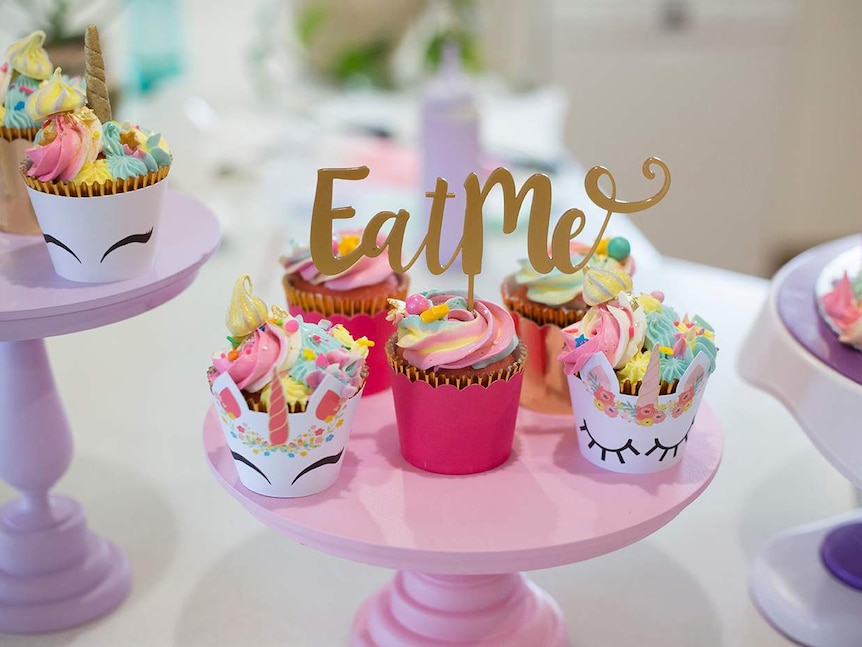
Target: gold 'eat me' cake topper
x,y
542,257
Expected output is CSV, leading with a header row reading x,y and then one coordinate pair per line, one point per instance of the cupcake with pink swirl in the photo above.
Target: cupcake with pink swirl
x,y
448,358
356,298
286,393
637,372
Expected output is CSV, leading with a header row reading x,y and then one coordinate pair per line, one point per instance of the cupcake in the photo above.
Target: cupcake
x,y
356,298
25,66
96,185
543,304
286,393
637,373
841,308
456,383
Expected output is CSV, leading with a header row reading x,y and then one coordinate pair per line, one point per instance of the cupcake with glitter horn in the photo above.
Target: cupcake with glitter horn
x,y
637,372
544,304
23,69
97,185
286,393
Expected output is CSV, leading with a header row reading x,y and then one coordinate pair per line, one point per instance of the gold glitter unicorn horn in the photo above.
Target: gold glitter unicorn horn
x,y
94,75
246,312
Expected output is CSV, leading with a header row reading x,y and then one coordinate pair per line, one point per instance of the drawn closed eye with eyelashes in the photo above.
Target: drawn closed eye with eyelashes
x,y
607,450
128,240
669,448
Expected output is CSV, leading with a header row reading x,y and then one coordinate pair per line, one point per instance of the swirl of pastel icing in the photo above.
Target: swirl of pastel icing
x,y
368,271
616,328
660,328
251,369
246,312
64,145
449,336
123,167
635,368
27,56
17,119
672,367
54,96
95,172
703,344
556,288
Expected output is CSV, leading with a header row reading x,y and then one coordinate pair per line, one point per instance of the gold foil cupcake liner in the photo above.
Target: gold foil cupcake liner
x,y
111,187
435,379
327,304
664,388
545,387
11,134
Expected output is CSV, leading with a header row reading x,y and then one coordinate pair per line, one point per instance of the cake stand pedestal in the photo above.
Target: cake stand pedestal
x,y
808,581
55,572
461,542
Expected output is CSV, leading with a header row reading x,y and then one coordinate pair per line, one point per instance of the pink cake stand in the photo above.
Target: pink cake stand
x,y
54,572
807,581
461,542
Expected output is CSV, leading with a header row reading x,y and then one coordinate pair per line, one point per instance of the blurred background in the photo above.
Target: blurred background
x,y
753,104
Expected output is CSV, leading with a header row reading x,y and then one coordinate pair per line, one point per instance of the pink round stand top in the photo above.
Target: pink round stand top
x,y
546,506
35,302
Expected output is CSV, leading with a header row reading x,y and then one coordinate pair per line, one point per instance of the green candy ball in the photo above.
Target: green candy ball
x,y
619,248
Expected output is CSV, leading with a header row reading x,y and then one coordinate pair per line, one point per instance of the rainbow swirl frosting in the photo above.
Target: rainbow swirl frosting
x,y
435,330
74,146
556,288
628,329
368,271
24,68
301,353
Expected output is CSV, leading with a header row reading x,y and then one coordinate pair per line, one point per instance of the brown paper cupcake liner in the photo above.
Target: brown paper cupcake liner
x,y
11,134
400,365
111,187
664,388
329,304
540,313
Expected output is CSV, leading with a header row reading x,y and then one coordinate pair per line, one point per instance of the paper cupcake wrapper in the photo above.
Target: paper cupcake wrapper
x,y
624,433
375,328
104,238
111,187
546,387
450,430
16,212
539,313
26,134
309,461
331,304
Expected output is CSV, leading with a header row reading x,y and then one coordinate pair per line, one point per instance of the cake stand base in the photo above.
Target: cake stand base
x,y
419,610
56,574
799,594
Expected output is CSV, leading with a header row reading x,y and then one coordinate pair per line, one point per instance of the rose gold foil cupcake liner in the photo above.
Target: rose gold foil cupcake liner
x,y
328,304
546,387
111,187
402,367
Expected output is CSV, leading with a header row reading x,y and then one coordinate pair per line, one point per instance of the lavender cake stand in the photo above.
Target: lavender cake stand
x,y
808,581
461,542
55,572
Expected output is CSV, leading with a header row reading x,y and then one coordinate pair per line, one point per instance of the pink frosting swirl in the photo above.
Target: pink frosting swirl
x,y
843,310
368,271
66,142
456,338
614,328
252,368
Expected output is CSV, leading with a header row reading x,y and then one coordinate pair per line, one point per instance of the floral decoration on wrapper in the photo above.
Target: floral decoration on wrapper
x,y
286,394
357,298
440,335
637,373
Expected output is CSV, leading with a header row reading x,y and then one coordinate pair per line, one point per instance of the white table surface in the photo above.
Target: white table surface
x,y
206,573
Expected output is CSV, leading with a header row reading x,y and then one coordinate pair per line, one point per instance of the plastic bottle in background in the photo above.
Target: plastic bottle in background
x,y
155,42
449,143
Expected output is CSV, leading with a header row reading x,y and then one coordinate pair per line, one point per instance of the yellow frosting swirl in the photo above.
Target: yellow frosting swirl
x,y
246,312
95,172
54,96
295,392
635,368
601,284
28,57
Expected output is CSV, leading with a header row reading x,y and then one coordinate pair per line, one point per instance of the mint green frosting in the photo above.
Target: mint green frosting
x,y
660,329
16,102
316,341
123,167
672,368
17,119
703,344
159,154
111,145
556,288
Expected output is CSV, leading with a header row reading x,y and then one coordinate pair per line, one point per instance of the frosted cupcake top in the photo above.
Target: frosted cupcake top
x,y
25,66
74,146
842,306
301,354
367,271
436,330
628,329
557,288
